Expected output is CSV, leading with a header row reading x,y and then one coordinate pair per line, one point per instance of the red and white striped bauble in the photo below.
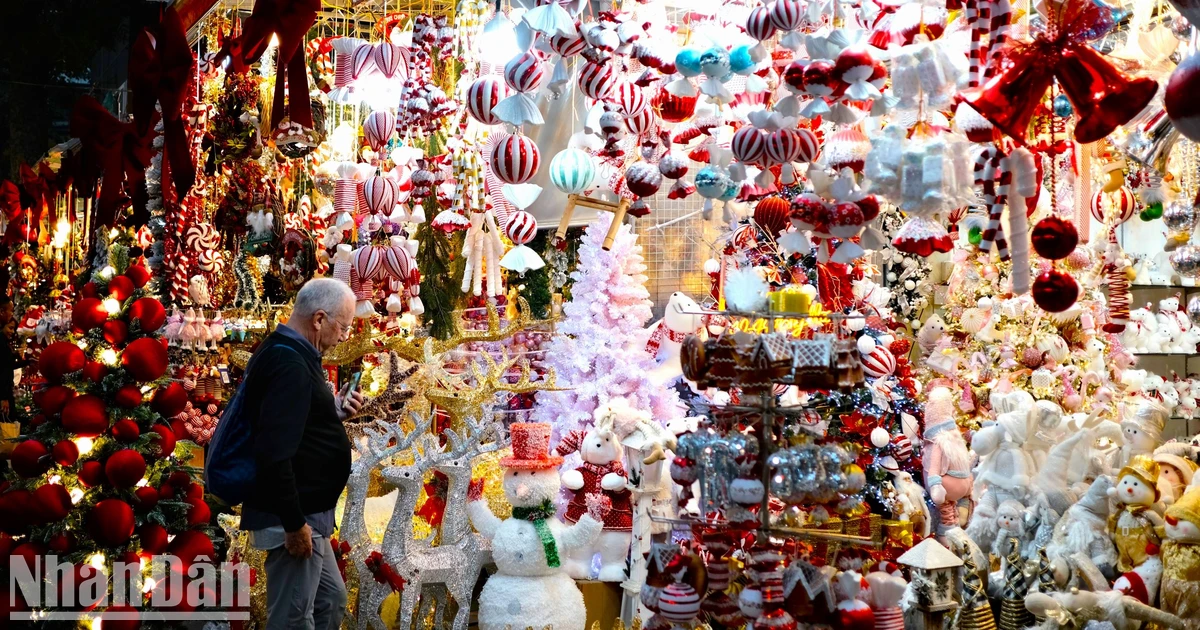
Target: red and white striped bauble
x,y
368,262
748,144
568,45
362,61
810,146
881,362
783,146
630,98
1121,205
786,14
678,602
521,228
389,58
901,447
515,159
759,24
380,193
640,123
482,96
378,128
596,80
398,262
524,72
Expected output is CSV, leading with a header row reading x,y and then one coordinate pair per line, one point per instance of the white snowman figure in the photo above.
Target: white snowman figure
x,y
530,587
679,319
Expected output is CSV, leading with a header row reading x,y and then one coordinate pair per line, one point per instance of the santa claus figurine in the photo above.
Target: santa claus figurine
x,y
601,473
947,462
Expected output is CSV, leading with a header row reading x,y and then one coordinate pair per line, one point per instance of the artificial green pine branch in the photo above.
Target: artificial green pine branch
x,y
439,280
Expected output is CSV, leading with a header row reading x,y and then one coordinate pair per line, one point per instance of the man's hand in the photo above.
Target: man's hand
x,y
299,542
348,403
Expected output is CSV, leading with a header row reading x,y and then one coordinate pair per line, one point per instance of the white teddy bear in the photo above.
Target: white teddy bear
x,y
1139,335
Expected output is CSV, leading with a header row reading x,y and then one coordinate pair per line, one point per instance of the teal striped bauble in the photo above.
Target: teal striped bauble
x,y
572,171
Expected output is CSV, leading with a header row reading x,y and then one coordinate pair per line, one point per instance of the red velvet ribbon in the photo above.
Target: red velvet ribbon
x,y
160,69
111,147
434,507
290,21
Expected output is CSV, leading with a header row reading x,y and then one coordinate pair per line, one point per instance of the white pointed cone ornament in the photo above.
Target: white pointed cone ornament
x,y
550,18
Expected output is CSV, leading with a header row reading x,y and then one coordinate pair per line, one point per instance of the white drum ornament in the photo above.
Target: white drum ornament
x,y
880,437
678,603
515,159
572,171
1120,205
378,128
879,363
483,95
748,144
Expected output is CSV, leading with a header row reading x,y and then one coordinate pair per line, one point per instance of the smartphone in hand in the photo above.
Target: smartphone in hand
x,y
354,381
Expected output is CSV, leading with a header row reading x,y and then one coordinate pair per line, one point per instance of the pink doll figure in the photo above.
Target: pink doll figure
x,y
174,327
203,334
600,473
216,327
189,335
947,462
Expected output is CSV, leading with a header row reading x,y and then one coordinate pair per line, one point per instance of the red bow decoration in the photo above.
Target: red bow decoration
x,y
160,69
1102,96
290,21
434,507
383,572
109,146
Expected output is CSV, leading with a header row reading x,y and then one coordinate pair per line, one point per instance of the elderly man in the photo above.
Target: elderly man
x,y
303,458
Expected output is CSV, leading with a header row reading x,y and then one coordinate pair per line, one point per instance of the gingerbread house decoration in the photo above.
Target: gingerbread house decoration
x,y
813,363
933,569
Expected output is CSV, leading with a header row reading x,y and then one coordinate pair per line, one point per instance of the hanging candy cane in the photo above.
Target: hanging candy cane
x,y
994,177
998,25
978,15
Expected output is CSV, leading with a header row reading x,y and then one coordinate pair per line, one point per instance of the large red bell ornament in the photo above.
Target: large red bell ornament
x,y
1180,100
1102,96
1010,98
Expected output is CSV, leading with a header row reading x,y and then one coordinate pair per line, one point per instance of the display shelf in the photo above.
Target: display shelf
x,y
1165,354
1164,286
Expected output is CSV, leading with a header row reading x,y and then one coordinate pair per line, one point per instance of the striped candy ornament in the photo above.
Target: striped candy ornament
x,y
810,146
630,98
380,193
368,263
202,236
210,261
568,45
378,128
759,24
901,447
748,144
787,14
572,171
678,602
482,96
524,72
783,145
390,58
718,574
1117,207
989,174
998,27
521,227
362,61
640,123
1118,288
597,81
515,159
889,619
879,363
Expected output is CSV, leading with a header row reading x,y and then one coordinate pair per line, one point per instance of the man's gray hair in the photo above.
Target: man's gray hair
x,y
321,294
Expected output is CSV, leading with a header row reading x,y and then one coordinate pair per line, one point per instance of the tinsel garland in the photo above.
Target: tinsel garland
x,y
538,515
249,292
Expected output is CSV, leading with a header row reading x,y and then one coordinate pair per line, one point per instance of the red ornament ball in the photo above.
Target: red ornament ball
x,y
128,397
145,359
95,371
125,468
1054,238
121,288
1055,291
168,401
1180,101
116,332
191,545
16,511
61,543
91,473
85,416
198,513
772,214
54,398
111,522
153,538
59,359
145,497
89,290
88,313
126,430
149,312
30,458
162,444
138,275
65,453
52,502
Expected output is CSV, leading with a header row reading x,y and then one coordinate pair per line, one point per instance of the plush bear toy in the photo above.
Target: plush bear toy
x,y
680,318
1134,529
600,474
1168,324
530,588
946,461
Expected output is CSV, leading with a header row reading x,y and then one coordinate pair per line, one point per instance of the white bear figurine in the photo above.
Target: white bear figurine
x,y
1168,324
530,587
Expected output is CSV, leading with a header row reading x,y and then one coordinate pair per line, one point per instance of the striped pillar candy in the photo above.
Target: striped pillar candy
x,y
1118,285
889,619
515,159
521,227
345,196
482,96
572,171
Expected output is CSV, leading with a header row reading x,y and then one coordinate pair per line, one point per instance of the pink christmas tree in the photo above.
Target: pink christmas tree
x,y
600,351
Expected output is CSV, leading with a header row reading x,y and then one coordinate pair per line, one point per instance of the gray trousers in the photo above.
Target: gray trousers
x,y
304,593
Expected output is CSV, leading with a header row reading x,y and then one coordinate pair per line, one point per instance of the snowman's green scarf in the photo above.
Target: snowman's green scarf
x,y
538,515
